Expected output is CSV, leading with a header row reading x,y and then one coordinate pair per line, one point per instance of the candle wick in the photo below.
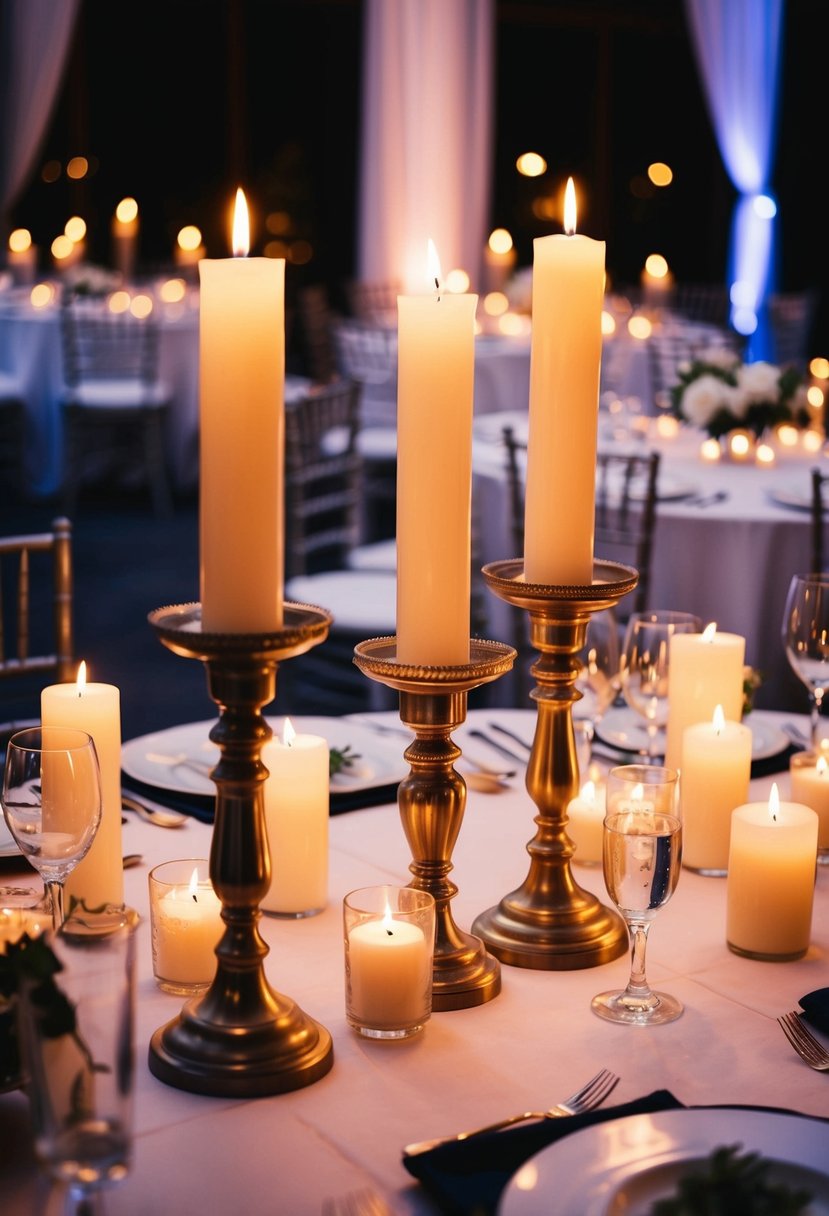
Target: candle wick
x,y
195,898
437,288
390,932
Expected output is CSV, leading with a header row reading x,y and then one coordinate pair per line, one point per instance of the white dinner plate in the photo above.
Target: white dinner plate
x,y
624,728
8,845
180,758
797,496
626,1165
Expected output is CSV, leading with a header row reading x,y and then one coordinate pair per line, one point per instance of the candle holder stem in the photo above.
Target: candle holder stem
x,y
241,1037
550,922
432,801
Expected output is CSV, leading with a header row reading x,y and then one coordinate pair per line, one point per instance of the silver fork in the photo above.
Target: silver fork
x,y
804,1042
587,1098
364,1202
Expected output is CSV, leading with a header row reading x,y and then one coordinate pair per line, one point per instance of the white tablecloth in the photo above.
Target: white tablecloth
x,y
534,1043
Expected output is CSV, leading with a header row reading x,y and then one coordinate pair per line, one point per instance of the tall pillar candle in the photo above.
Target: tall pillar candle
x,y
715,774
296,821
95,708
125,237
242,440
704,670
771,879
809,773
435,380
565,369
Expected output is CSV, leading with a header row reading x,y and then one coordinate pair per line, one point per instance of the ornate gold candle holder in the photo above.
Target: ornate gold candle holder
x,y
240,1037
432,800
549,922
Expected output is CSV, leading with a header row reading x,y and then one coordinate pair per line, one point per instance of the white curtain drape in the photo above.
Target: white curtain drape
x,y
737,44
35,37
426,140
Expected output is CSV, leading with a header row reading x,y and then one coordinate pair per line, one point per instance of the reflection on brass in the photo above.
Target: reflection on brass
x,y
550,922
432,800
240,1038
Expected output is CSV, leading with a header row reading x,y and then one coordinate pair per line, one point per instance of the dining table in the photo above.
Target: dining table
x,y
724,1062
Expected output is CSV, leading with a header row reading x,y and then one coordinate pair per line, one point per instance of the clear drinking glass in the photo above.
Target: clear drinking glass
x,y
641,857
599,661
52,802
644,667
806,639
76,1031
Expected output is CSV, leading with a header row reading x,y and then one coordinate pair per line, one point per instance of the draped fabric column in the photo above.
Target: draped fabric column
x,y
35,37
426,143
738,49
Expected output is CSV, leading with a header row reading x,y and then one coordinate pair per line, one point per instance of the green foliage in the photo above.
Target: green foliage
x,y
733,1184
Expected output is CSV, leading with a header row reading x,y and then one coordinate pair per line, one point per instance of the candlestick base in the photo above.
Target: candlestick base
x,y
432,800
550,922
240,1038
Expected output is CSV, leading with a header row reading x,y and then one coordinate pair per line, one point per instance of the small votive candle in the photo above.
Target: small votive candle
x,y
186,925
771,879
389,938
809,773
585,817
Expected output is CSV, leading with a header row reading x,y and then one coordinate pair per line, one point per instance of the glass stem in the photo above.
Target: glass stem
x,y
816,699
638,984
54,889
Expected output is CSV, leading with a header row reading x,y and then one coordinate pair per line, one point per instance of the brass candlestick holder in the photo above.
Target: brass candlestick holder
x,y
549,922
432,800
240,1038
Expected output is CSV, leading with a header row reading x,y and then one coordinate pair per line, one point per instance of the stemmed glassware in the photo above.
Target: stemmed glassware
x,y
644,667
806,639
52,802
599,659
641,857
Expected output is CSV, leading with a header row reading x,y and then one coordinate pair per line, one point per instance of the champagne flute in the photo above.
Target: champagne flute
x,y
806,639
641,857
52,802
644,666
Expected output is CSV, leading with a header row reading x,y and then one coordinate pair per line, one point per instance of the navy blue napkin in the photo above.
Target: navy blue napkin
x,y
467,1177
770,765
815,1006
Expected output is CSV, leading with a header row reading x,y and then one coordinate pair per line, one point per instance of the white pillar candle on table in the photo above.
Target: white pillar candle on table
x,y
565,368
585,819
809,773
715,772
704,670
96,709
435,381
296,821
125,236
771,878
242,440
21,256
389,968
187,927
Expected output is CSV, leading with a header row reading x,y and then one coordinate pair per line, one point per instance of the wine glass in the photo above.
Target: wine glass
x,y
641,857
806,639
52,802
644,666
599,659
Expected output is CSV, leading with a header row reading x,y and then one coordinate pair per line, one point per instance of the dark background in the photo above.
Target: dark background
x,y
179,101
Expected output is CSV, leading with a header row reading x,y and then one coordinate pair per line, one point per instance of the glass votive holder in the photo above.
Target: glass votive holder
x,y
809,773
186,925
389,939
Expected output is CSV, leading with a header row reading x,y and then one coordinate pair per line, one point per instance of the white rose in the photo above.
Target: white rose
x,y
759,381
719,356
704,397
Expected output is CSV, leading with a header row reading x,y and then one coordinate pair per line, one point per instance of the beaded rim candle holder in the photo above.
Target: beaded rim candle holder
x,y
240,1038
432,800
550,922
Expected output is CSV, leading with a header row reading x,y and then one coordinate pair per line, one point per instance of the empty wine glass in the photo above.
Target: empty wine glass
x,y
599,659
644,667
641,858
806,639
52,802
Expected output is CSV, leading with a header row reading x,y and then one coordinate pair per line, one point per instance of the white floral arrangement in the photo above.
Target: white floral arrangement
x,y
718,393
87,279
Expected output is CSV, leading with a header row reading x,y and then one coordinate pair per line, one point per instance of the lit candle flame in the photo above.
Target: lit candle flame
x,y
588,792
709,632
193,886
241,226
821,766
433,265
638,794
81,680
570,208
774,802
288,733
719,720
388,921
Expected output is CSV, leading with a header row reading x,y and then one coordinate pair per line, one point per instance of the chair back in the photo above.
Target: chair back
x,y
374,303
36,633
626,499
100,346
818,521
792,316
316,320
323,478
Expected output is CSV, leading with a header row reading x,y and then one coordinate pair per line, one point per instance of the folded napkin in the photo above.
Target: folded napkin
x,y
466,1177
770,765
815,1006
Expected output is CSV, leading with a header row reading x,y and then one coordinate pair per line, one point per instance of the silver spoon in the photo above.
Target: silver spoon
x,y
161,816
